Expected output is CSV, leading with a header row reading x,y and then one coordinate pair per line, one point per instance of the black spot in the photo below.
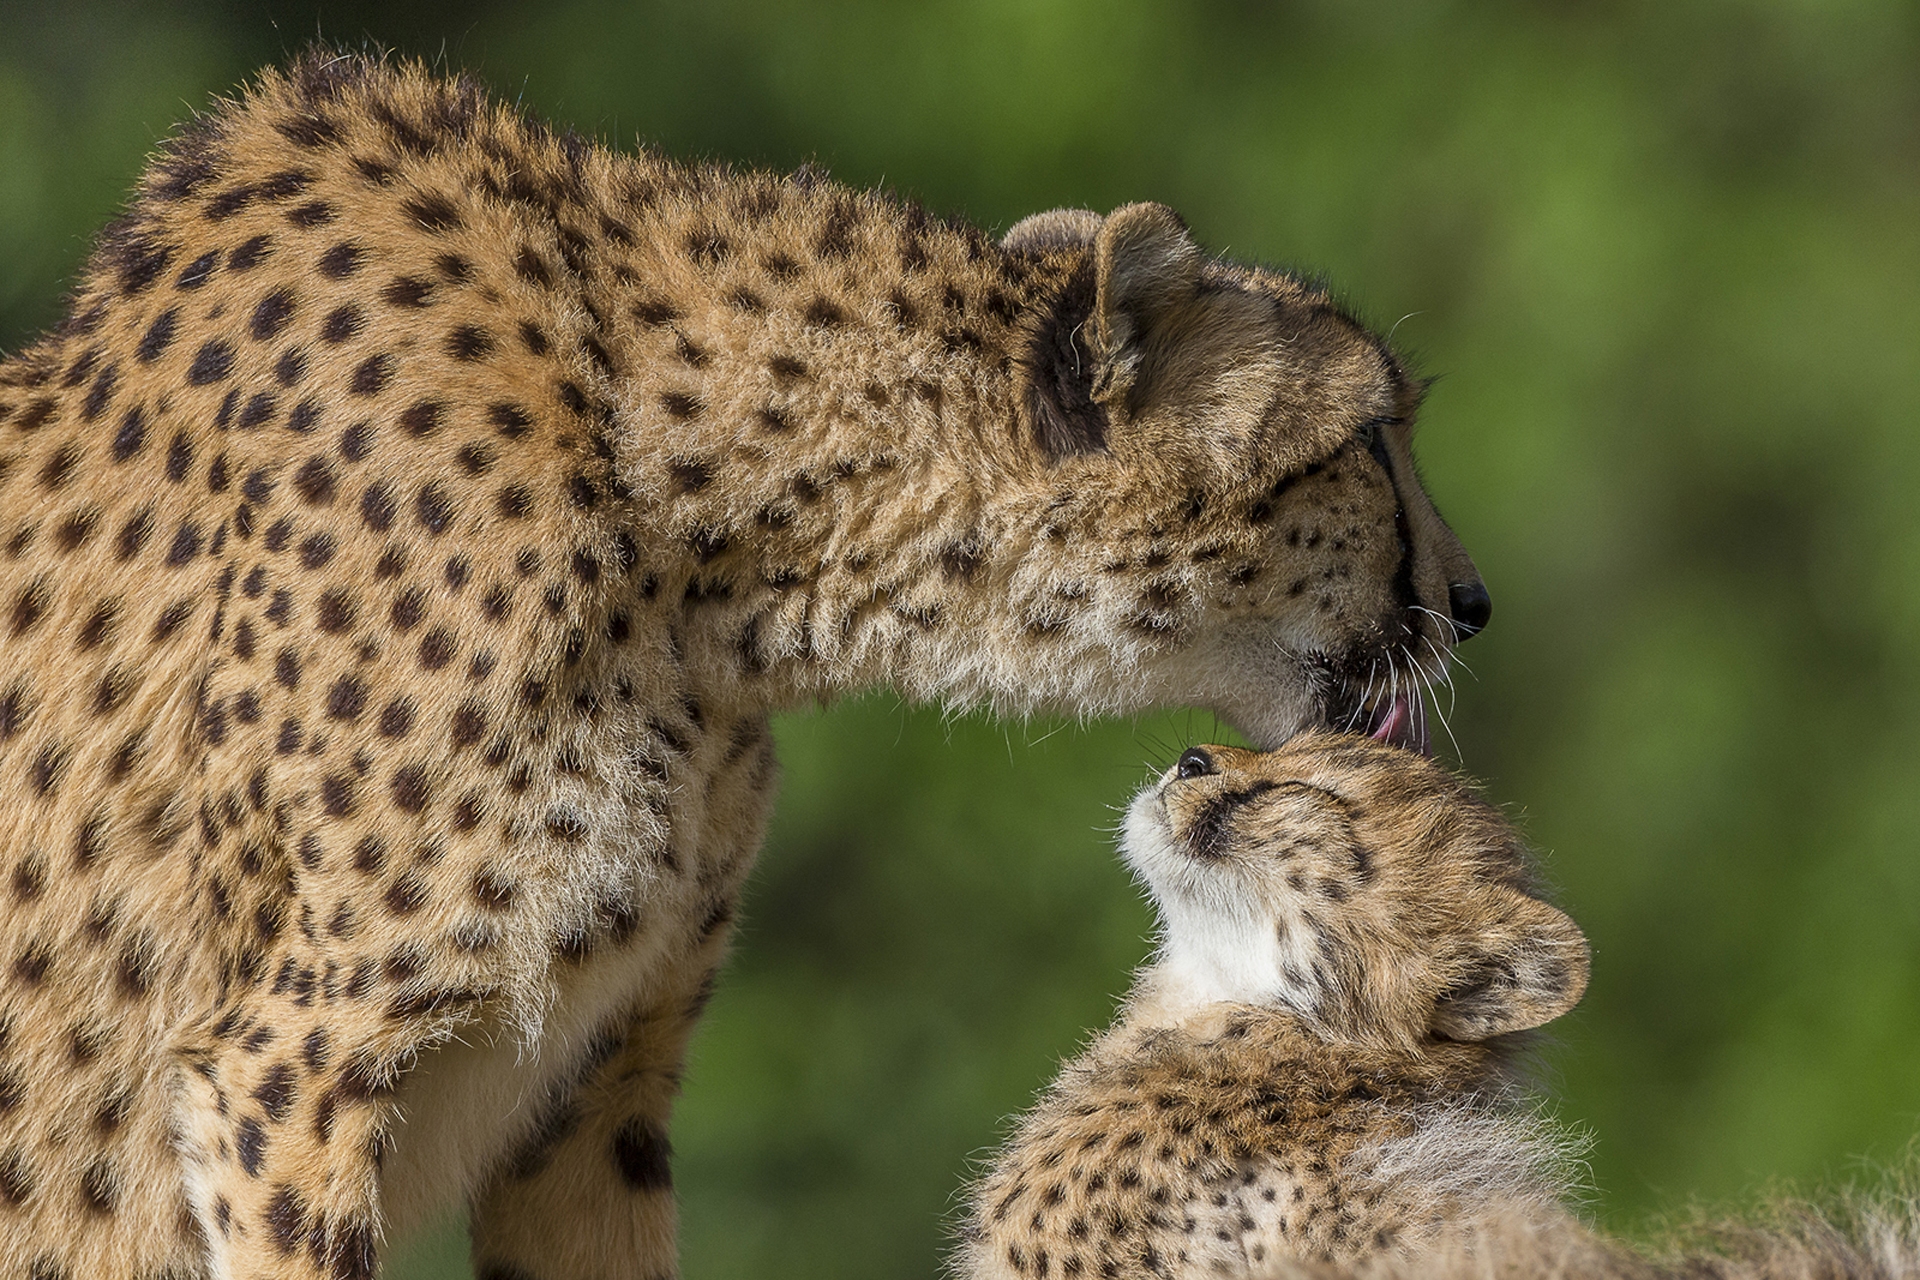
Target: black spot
x,y
186,545
314,482
258,488
423,417
347,698
531,267
199,271
271,315
250,1143
408,292
316,551
134,533
396,721
511,420
469,342
287,1220
341,261
248,253
434,212
314,213
229,202
643,1155
433,509
59,468
336,795
409,789
140,263
356,442
377,507
212,363
99,1187
371,376
436,649
275,1092
158,337
99,395
655,311
258,411
336,612
824,313
342,323
681,404
309,130
30,604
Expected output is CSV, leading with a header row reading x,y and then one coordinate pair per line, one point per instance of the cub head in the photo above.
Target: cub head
x,y
1219,505
1358,885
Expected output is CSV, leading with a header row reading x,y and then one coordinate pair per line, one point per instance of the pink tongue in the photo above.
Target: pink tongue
x,y
1404,724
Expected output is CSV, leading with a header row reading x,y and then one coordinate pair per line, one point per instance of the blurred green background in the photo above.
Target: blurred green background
x,y
1663,257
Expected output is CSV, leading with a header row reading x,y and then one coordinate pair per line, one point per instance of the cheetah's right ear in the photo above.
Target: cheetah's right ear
x,y
1146,267
1528,969
1038,233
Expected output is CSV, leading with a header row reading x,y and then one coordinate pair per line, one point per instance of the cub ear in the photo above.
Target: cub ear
x,y
1147,267
1040,233
1527,970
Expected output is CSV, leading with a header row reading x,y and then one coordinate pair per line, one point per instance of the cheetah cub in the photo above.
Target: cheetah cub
x,y
1319,1065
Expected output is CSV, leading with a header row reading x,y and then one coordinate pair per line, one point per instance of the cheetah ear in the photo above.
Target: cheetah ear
x,y
1041,233
1146,267
1528,970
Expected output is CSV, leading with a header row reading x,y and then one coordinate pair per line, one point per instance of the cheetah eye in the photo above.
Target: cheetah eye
x,y
1195,763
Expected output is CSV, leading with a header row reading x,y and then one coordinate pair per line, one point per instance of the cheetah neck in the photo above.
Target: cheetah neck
x,y
812,393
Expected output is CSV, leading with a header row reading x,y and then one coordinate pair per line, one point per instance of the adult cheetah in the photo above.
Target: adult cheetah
x,y
407,535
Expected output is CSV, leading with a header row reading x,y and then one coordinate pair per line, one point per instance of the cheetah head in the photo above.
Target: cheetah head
x,y
1355,884
1222,506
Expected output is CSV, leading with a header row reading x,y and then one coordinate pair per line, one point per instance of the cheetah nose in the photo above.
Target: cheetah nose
x,y
1471,606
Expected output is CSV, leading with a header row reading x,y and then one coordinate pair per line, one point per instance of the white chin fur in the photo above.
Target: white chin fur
x,y
1219,944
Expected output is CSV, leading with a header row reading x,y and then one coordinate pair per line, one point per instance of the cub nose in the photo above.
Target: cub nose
x,y
1195,763
1471,606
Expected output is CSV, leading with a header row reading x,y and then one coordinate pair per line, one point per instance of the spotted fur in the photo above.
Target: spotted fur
x,y
1319,1066
403,542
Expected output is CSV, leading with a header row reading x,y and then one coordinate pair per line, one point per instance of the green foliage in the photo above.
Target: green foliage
x,y
1664,257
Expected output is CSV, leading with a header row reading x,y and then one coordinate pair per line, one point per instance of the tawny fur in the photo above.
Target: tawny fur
x,y
1860,1236
405,539
1319,1066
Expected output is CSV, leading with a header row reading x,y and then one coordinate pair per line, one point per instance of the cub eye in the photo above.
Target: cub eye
x,y
1195,763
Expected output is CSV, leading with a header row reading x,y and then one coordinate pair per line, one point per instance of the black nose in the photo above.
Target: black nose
x,y
1471,606
1194,763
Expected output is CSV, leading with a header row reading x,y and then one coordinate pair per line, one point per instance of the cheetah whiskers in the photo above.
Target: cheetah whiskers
x,y
1446,663
1431,703
1365,699
1455,631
